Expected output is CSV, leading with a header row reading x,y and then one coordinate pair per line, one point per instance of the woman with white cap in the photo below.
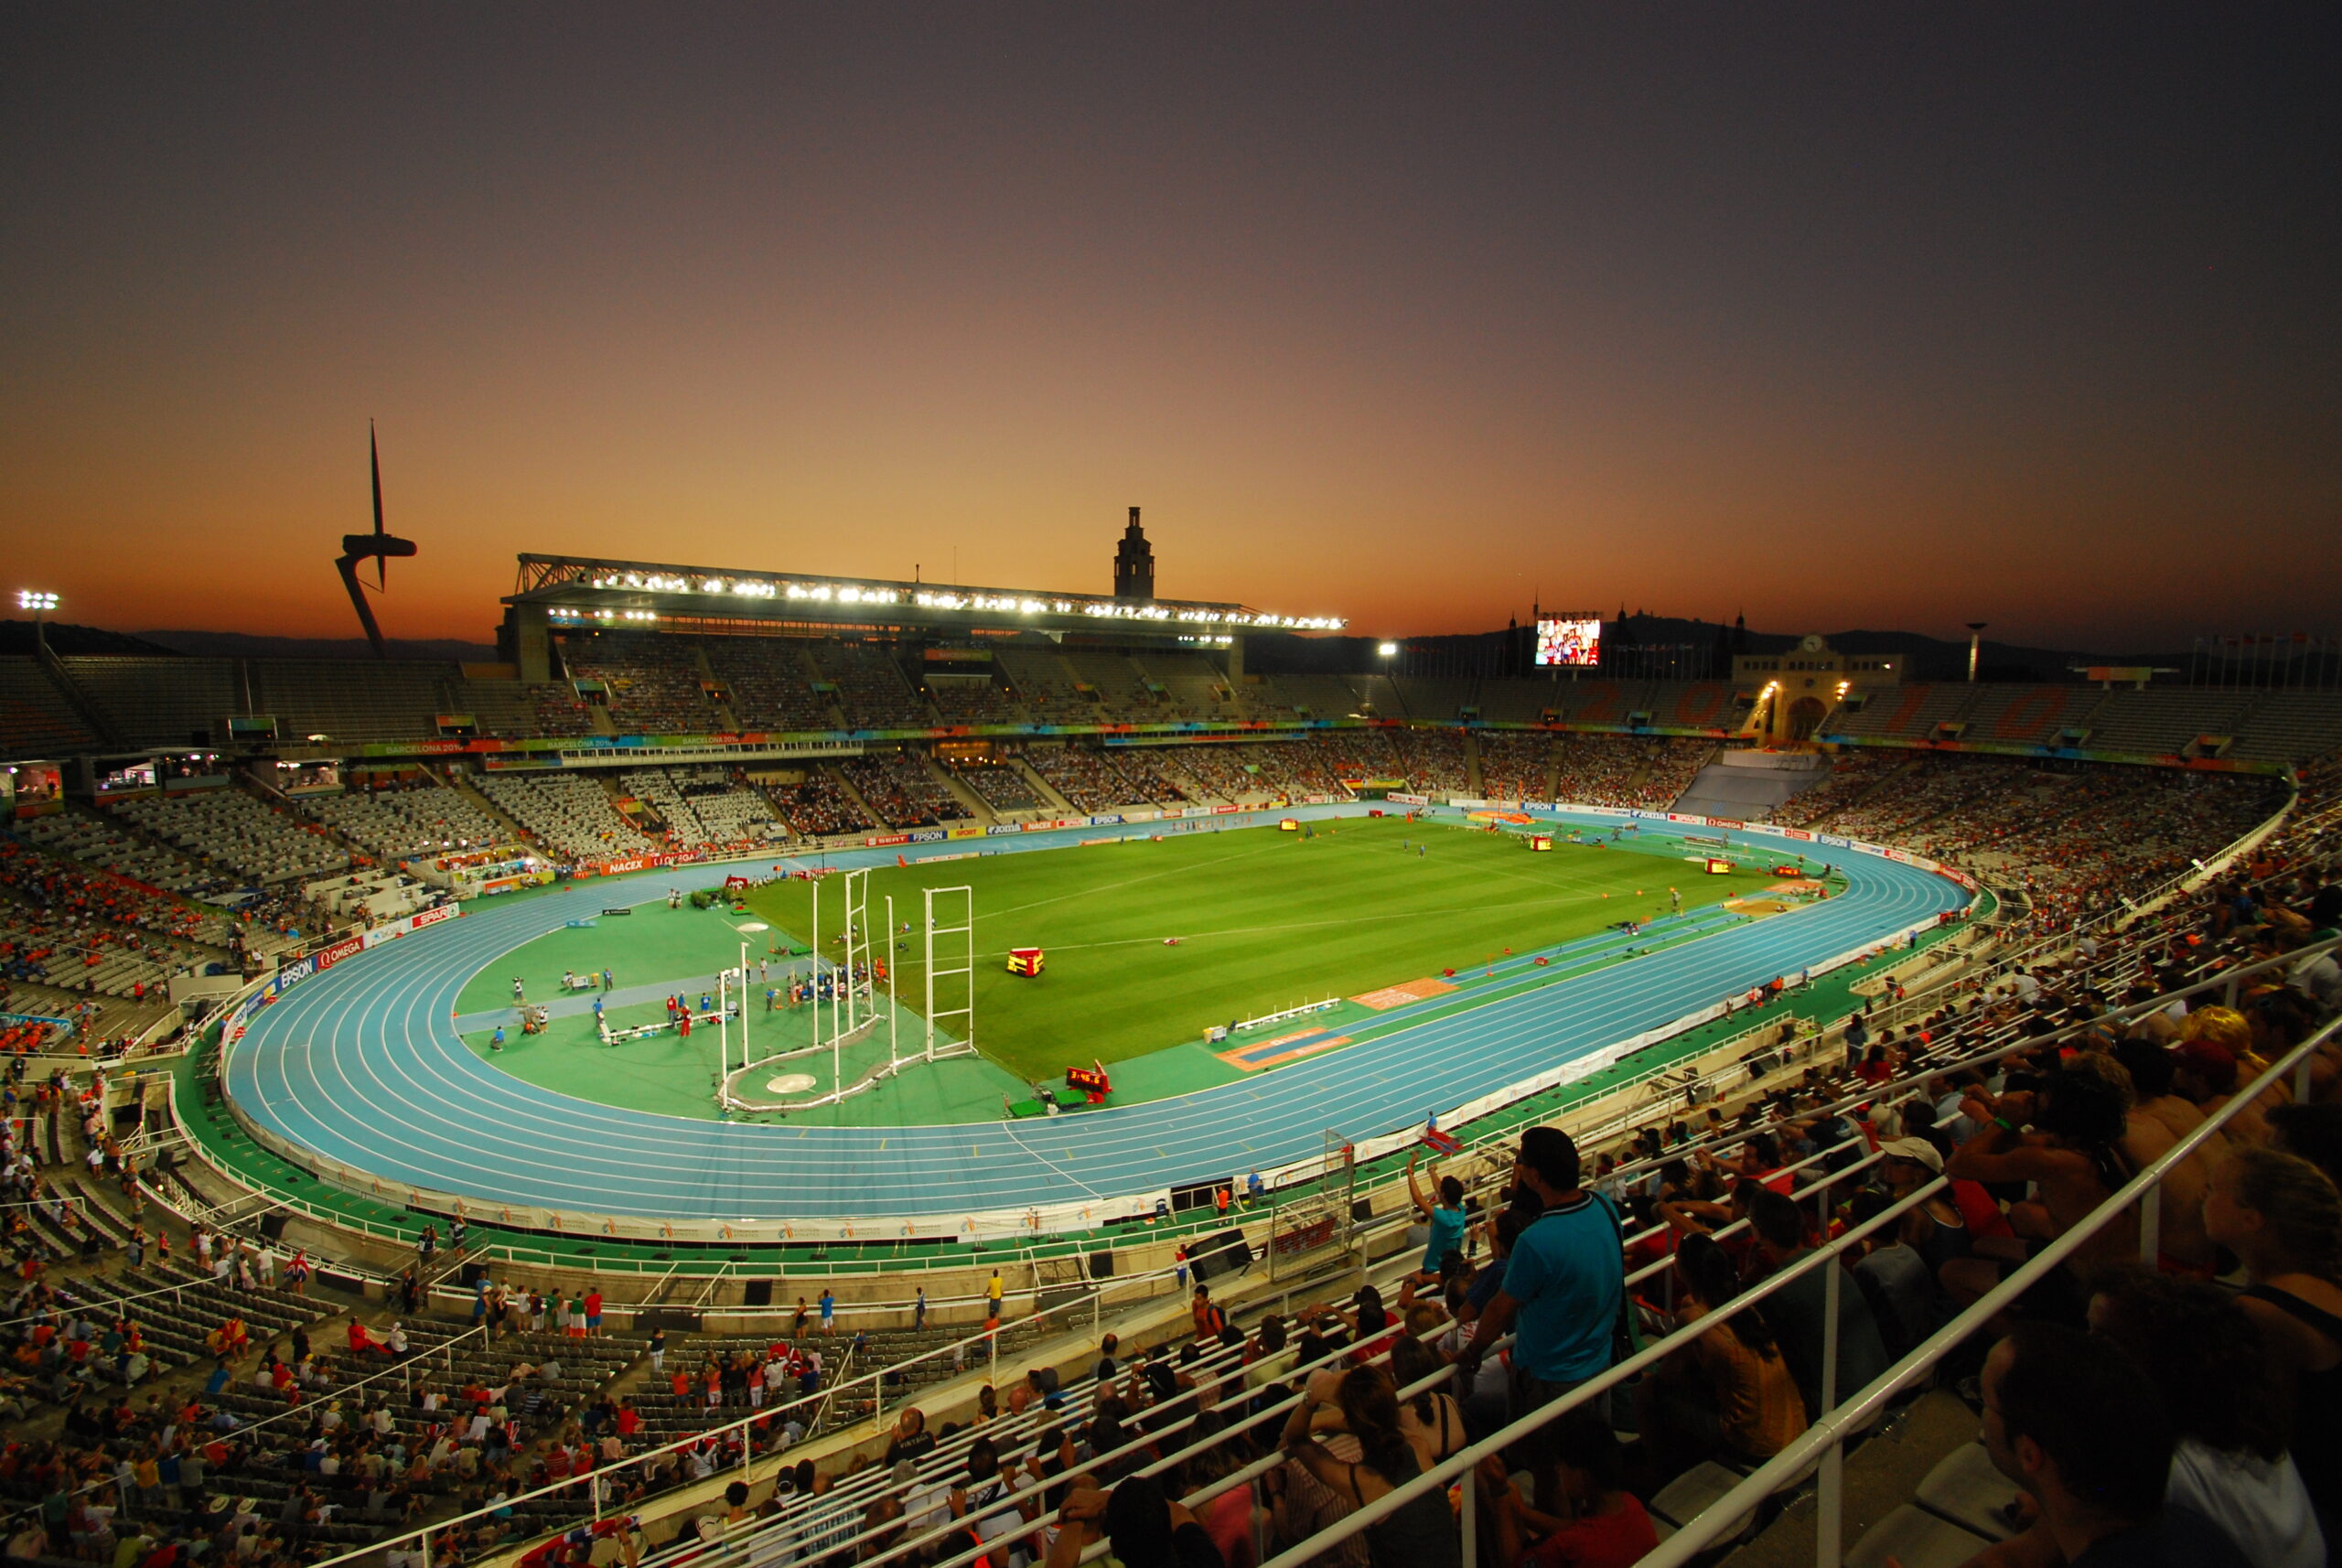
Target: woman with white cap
x,y
1934,1230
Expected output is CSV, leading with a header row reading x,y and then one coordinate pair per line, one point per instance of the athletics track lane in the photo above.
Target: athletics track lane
x,y
363,1065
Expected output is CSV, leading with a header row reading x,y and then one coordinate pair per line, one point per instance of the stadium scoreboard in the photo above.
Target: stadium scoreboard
x,y
1573,641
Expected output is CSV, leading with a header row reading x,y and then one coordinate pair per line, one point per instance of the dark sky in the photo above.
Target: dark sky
x,y
1881,316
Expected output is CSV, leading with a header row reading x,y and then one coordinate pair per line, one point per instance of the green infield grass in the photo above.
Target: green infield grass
x,y
1149,941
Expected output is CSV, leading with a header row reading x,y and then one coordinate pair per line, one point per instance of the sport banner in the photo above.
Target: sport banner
x,y
349,947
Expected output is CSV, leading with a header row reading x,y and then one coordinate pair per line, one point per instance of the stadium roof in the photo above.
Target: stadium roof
x,y
584,591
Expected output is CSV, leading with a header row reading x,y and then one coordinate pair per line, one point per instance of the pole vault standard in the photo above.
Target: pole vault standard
x,y
963,949
731,989
894,1014
857,940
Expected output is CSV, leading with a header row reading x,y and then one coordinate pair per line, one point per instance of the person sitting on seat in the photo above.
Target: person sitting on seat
x,y
1596,1519
2205,1358
1732,1394
2075,1423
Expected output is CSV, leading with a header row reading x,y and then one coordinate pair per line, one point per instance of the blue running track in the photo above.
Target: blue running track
x,y
362,1064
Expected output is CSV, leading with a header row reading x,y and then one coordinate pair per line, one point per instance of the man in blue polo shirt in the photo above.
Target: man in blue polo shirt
x,y
1564,1284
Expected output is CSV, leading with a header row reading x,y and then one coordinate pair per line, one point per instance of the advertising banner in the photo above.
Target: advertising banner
x,y
1407,799
349,947
997,828
928,835
886,841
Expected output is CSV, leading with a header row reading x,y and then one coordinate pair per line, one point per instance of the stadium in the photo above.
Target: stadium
x,y
779,1013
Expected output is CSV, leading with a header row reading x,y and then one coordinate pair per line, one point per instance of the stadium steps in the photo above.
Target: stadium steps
x,y
200,865
1876,786
460,780
35,719
970,803
811,673
77,698
1058,804
724,713
837,776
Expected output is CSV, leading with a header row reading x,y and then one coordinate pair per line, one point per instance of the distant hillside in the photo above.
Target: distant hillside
x,y
16,636
1703,647
238,645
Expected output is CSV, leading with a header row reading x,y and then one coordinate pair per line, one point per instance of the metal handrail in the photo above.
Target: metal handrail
x,y
243,1428
990,1338
1827,1435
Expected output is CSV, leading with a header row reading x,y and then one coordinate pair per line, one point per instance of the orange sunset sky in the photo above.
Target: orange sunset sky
x,y
1835,316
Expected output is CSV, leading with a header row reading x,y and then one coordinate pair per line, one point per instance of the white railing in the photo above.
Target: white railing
x,y
981,1348
1823,1443
1398,1262
1825,1440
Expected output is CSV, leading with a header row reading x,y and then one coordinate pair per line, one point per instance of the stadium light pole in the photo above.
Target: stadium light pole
x,y
40,603
1975,645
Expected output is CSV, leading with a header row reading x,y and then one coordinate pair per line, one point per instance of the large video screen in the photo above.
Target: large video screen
x,y
1570,642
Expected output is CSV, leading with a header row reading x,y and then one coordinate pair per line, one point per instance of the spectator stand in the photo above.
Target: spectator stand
x,y
2030,1042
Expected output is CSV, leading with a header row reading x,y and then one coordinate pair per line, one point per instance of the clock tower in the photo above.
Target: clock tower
x,y
1794,695
1135,564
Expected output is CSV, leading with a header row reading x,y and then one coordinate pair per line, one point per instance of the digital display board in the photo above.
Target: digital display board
x,y
1576,641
